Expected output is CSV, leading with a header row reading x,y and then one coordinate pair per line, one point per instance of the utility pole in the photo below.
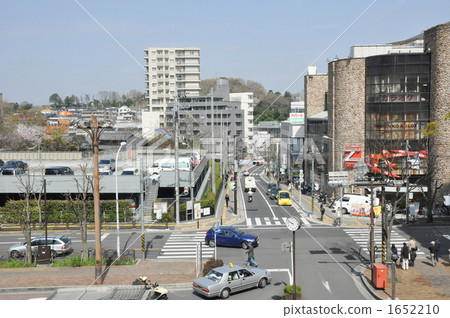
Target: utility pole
x,y
177,171
94,133
235,174
372,227
312,178
213,164
407,181
221,145
141,205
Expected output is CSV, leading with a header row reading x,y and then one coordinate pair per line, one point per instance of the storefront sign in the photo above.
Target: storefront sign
x,y
352,156
297,118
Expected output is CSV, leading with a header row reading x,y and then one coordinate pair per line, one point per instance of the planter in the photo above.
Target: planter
x,y
288,293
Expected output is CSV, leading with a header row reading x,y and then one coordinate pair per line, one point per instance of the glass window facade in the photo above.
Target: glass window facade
x,y
397,102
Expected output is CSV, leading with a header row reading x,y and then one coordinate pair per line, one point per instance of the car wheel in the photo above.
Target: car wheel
x,y
344,211
212,243
225,293
262,283
244,245
14,254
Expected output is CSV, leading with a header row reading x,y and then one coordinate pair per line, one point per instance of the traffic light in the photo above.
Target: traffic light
x,y
186,191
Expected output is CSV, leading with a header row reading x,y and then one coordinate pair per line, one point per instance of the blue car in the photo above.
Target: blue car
x,y
230,236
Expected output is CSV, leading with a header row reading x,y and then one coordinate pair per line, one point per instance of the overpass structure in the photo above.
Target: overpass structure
x,y
129,186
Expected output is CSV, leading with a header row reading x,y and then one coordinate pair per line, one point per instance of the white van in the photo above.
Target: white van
x,y
250,184
183,164
350,202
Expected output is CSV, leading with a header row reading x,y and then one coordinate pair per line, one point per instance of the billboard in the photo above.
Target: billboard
x,y
297,118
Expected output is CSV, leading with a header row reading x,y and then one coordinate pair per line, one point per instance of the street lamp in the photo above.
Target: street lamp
x,y
123,143
338,214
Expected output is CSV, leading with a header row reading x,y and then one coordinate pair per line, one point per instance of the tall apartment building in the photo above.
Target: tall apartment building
x,y
168,71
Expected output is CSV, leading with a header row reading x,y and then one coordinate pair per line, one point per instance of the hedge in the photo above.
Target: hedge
x,y
60,211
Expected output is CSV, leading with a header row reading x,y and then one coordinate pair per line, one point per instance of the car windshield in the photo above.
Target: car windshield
x,y
214,276
128,172
275,190
65,239
284,195
237,232
104,161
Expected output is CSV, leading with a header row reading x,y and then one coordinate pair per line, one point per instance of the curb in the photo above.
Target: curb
x,y
177,286
366,283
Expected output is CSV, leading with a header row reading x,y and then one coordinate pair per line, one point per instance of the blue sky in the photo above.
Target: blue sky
x,y
53,46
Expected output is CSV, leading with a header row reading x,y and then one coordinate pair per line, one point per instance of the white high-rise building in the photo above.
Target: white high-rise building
x,y
169,70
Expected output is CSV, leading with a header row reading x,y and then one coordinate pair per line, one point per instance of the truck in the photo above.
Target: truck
x,y
249,184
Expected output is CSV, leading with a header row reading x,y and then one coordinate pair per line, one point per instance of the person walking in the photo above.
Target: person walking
x,y
251,255
412,250
290,187
322,211
438,248
405,256
394,256
227,198
432,249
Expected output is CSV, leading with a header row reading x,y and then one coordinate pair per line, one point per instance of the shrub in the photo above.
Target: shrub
x,y
212,263
13,263
288,292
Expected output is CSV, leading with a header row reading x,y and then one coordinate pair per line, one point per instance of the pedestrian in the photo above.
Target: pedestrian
x,y
394,256
251,255
290,187
438,247
412,250
405,256
227,198
322,211
432,249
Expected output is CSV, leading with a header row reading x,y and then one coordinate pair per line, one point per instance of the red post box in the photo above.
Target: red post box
x,y
379,275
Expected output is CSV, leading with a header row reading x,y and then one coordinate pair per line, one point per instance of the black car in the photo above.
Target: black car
x,y
57,171
306,188
274,192
17,164
269,187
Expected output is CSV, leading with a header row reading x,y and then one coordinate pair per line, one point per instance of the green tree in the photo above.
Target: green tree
x,y
55,100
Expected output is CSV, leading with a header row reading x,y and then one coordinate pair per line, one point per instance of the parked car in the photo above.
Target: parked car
x,y
274,192
224,280
11,171
17,163
246,173
107,164
58,171
59,244
230,236
269,187
130,172
284,198
105,172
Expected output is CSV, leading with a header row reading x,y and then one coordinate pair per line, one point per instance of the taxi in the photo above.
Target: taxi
x,y
284,198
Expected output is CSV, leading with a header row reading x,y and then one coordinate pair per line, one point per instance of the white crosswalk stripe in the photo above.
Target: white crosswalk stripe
x,y
185,246
272,221
362,238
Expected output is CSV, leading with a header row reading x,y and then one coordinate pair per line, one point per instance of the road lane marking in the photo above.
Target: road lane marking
x,y
104,236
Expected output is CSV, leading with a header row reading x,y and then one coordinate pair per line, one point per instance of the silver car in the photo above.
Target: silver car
x,y
224,280
59,244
